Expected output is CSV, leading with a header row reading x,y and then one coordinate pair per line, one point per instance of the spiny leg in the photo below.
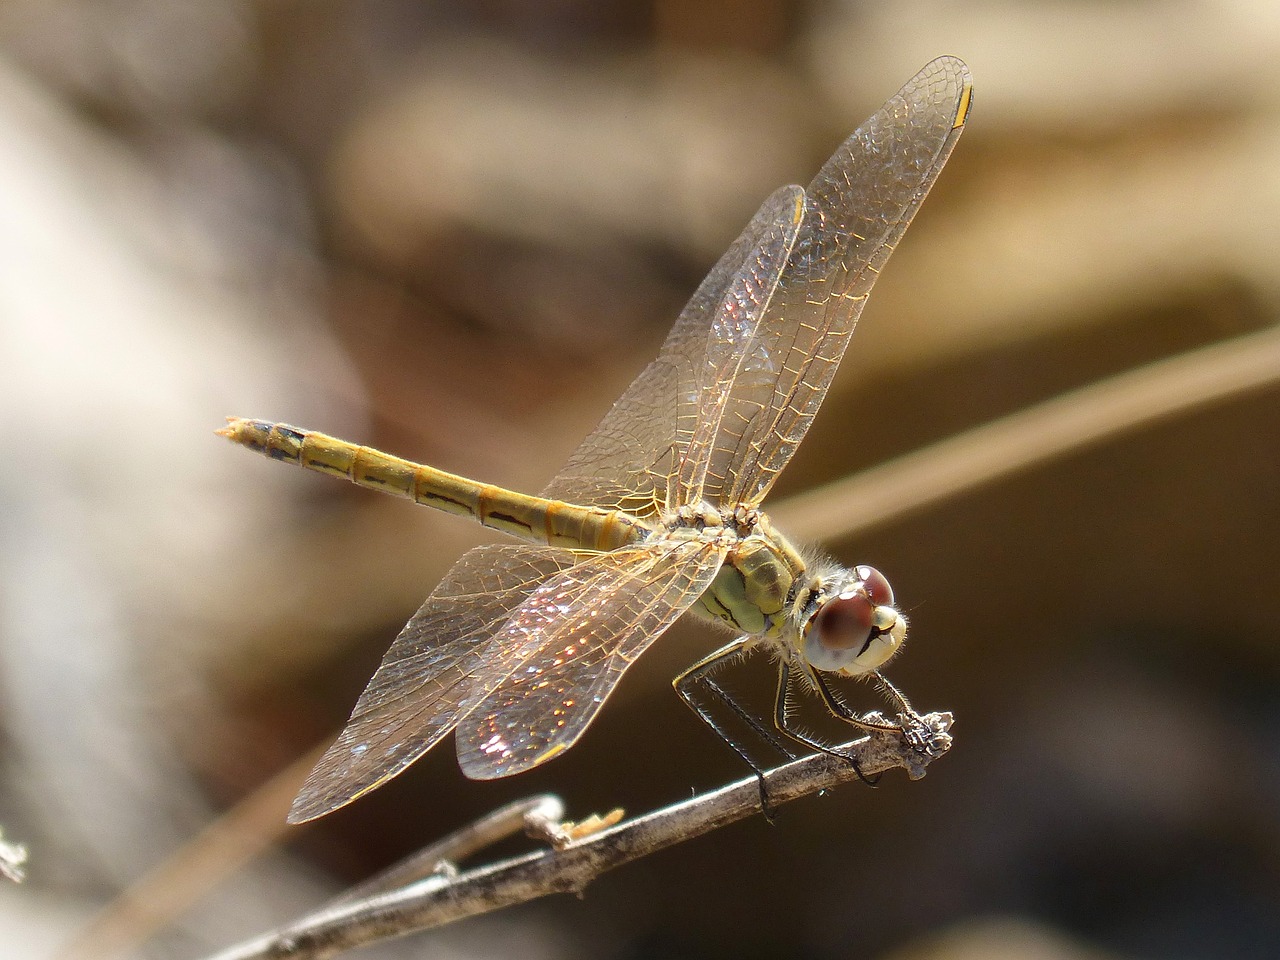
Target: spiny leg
x,y
838,708
694,683
782,718
910,724
923,736
905,710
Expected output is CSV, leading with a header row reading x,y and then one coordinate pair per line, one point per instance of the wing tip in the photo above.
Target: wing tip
x,y
476,764
958,73
954,72
314,802
339,778
307,807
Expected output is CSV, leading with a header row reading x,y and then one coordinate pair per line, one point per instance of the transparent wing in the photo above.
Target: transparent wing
x,y
577,634
722,410
445,660
856,210
630,460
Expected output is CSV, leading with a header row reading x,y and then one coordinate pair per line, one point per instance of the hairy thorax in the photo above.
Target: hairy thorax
x,y
754,589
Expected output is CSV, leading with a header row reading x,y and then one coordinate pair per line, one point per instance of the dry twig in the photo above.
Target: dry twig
x,y
446,895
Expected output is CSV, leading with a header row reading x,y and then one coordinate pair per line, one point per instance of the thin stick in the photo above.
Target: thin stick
x,y
446,896
534,813
1064,424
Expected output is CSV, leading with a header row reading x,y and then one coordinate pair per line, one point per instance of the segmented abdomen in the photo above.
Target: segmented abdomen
x,y
529,518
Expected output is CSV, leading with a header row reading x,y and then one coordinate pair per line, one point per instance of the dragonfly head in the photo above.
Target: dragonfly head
x,y
851,625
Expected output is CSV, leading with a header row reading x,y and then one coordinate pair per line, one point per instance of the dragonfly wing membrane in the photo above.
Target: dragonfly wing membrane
x,y
580,630
627,462
431,675
856,210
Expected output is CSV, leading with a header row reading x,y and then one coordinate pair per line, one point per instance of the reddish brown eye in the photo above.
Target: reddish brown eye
x,y
876,585
845,623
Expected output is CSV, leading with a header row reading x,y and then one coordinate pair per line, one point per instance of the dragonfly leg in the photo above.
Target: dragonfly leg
x,y
897,696
699,690
870,721
782,717
920,734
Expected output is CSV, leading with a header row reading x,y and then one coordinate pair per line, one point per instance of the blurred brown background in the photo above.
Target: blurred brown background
x,y
456,231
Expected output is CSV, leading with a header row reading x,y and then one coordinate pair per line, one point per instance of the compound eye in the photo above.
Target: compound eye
x,y
877,587
845,623
840,631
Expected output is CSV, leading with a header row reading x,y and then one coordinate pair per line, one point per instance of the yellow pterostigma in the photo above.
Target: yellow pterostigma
x,y
658,511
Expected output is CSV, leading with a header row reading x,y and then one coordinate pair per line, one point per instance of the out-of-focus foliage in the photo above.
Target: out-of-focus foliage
x,y
455,232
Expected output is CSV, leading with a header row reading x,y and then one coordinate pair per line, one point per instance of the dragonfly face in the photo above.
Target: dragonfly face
x,y
849,623
658,511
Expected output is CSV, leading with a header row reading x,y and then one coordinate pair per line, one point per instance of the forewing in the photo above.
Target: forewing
x,y
578,633
630,460
856,210
444,660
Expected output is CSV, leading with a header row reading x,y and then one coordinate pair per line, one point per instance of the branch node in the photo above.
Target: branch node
x,y
924,738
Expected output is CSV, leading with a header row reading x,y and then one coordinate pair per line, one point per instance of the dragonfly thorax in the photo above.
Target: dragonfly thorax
x,y
698,517
754,591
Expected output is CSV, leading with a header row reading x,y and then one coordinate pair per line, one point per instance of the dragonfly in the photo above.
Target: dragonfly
x,y
658,512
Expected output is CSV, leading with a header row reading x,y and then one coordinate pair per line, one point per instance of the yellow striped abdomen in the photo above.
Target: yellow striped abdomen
x,y
529,518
